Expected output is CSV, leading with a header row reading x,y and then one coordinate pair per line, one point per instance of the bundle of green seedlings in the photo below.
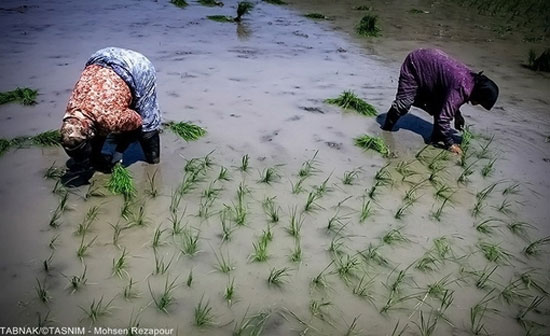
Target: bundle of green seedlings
x,y
243,7
24,96
187,131
375,143
368,26
121,182
179,3
540,63
348,100
44,139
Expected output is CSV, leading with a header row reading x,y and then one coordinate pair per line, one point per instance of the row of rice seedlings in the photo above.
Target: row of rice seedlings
x,y
152,191
269,175
190,242
25,96
89,219
166,298
121,182
534,248
271,209
277,276
309,167
186,131
368,26
295,223
349,100
375,143
120,265
97,309
350,176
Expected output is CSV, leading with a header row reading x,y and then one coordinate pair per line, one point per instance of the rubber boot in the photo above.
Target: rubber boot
x,y
391,118
150,143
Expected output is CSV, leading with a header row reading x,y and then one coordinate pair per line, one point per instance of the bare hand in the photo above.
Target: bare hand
x,y
456,149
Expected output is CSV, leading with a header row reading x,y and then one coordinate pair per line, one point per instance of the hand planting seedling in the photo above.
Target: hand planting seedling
x,y
368,26
349,101
24,96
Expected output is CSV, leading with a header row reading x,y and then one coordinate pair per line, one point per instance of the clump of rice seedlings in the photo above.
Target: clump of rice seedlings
x,y
138,217
94,191
4,146
373,190
160,266
489,168
152,191
25,96
227,229
179,3
349,100
189,280
511,189
83,248
271,209
383,176
483,194
267,235
336,245
244,163
253,325
375,143
535,247
519,228
211,3
395,288
53,241
277,276
533,307
309,167
427,327
260,251
166,298
229,292
176,227
427,262
243,7
484,276
494,252
540,63
364,288
439,289
322,189
403,209
204,207
477,314
175,201
223,264
484,153
512,292
203,314
478,208
368,26
121,182
88,220
190,243
505,207
350,176
47,263
269,175
42,292
410,195
310,202
44,321
485,226
54,221
120,265
352,328
442,247
296,255
320,280
129,292
52,172
439,212
275,2
316,16
366,210
444,192
466,173
347,267
157,238
97,309
117,230
223,175
295,224
336,223
317,309
240,213
186,131
404,169
394,236
372,254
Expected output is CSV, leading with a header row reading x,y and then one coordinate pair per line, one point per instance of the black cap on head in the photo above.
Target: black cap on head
x,y
485,91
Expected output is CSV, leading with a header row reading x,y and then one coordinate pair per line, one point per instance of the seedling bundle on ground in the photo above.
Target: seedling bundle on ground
x,y
368,26
348,100
24,96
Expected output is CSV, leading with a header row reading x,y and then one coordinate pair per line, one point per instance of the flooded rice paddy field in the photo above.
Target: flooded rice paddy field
x,y
354,243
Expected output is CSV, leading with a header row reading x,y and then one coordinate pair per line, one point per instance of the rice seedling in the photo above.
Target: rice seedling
x,y
25,96
52,172
322,189
512,292
138,217
89,219
223,175
204,207
494,252
227,229
223,263
269,175
211,192
336,223
189,280
336,245
42,292
352,328
484,276
511,189
244,163
320,280
439,212
519,228
166,298
94,191
190,243
186,131
484,153
121,182
532,307
375,143
175,201
366,210
373,190
364,288
179,3
529,281
240,213
395,331
373,255
229,292
120,265
477,209
444,192
243,7
160,266
489,168
295,224
211,3
317,309
54,220
46,139
383,176
534,248
394,298
505,207
76,282
316,16
405,170
53,241
4,146
349,101
117,230
44,321
346,267
253,325
427,262
271,209
350,176
152,191
442,247
175,221
309,167
403,209
48,262
311,203
157,238
267,235
368,26
477,314
485,225
466,173
84,247
97,309
277,276
440,289
260,251
296,255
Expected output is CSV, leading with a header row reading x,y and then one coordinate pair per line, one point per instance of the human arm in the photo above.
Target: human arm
x,y
442,125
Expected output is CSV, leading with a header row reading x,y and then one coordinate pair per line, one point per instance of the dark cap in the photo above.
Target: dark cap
x,y
485,91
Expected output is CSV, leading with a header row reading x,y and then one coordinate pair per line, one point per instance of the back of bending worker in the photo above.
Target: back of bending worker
x,y
433,81
116,94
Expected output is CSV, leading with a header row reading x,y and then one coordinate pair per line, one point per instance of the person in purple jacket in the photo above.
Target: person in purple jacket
x,y
435,82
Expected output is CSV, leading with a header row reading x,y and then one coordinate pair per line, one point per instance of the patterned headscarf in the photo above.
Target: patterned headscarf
x,y
76,129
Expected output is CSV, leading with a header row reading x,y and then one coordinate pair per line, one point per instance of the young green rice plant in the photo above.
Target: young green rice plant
x,y
420,154
253,325
271,209
189,182
175,201
277,277
350,176
295,224
229,292
309,167
260,251
223,175
320,280
25,96
352,328
494,252
47,263
161,267
439,212
442,247
84,247
94,190
54,220
427,262
534,248
410,195
316,16
296,255
484,152
88,220
477,314
373,255
466,173
211,192
519,228
485,225
117,230
53,172
364,288
221,18
42,292
175,221
373,190
152,191
269,175
317,309
512,292
52,244
180,4
347,266
366,210
186,131
405,170
368,26
4,146
245,164
190,243
120,265
227,229
97,309
157,241
375,143
189,280
484,276
121,182
336,245
336,223
403,209
505,207
240,213
532,307
205,206
444,192
243,7
440,289
478,208
267,235
349,101
203,314
211,3
383,176
311,204
489,168
44,321
394,298
512,189
46,139
138,217
223,263
166,298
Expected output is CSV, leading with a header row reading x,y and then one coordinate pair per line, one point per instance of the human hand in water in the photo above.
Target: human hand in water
x,y
456,149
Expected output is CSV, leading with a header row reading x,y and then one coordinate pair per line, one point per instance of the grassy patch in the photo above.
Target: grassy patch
x,y
24,96
375,143
187,131
348,100
368,26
